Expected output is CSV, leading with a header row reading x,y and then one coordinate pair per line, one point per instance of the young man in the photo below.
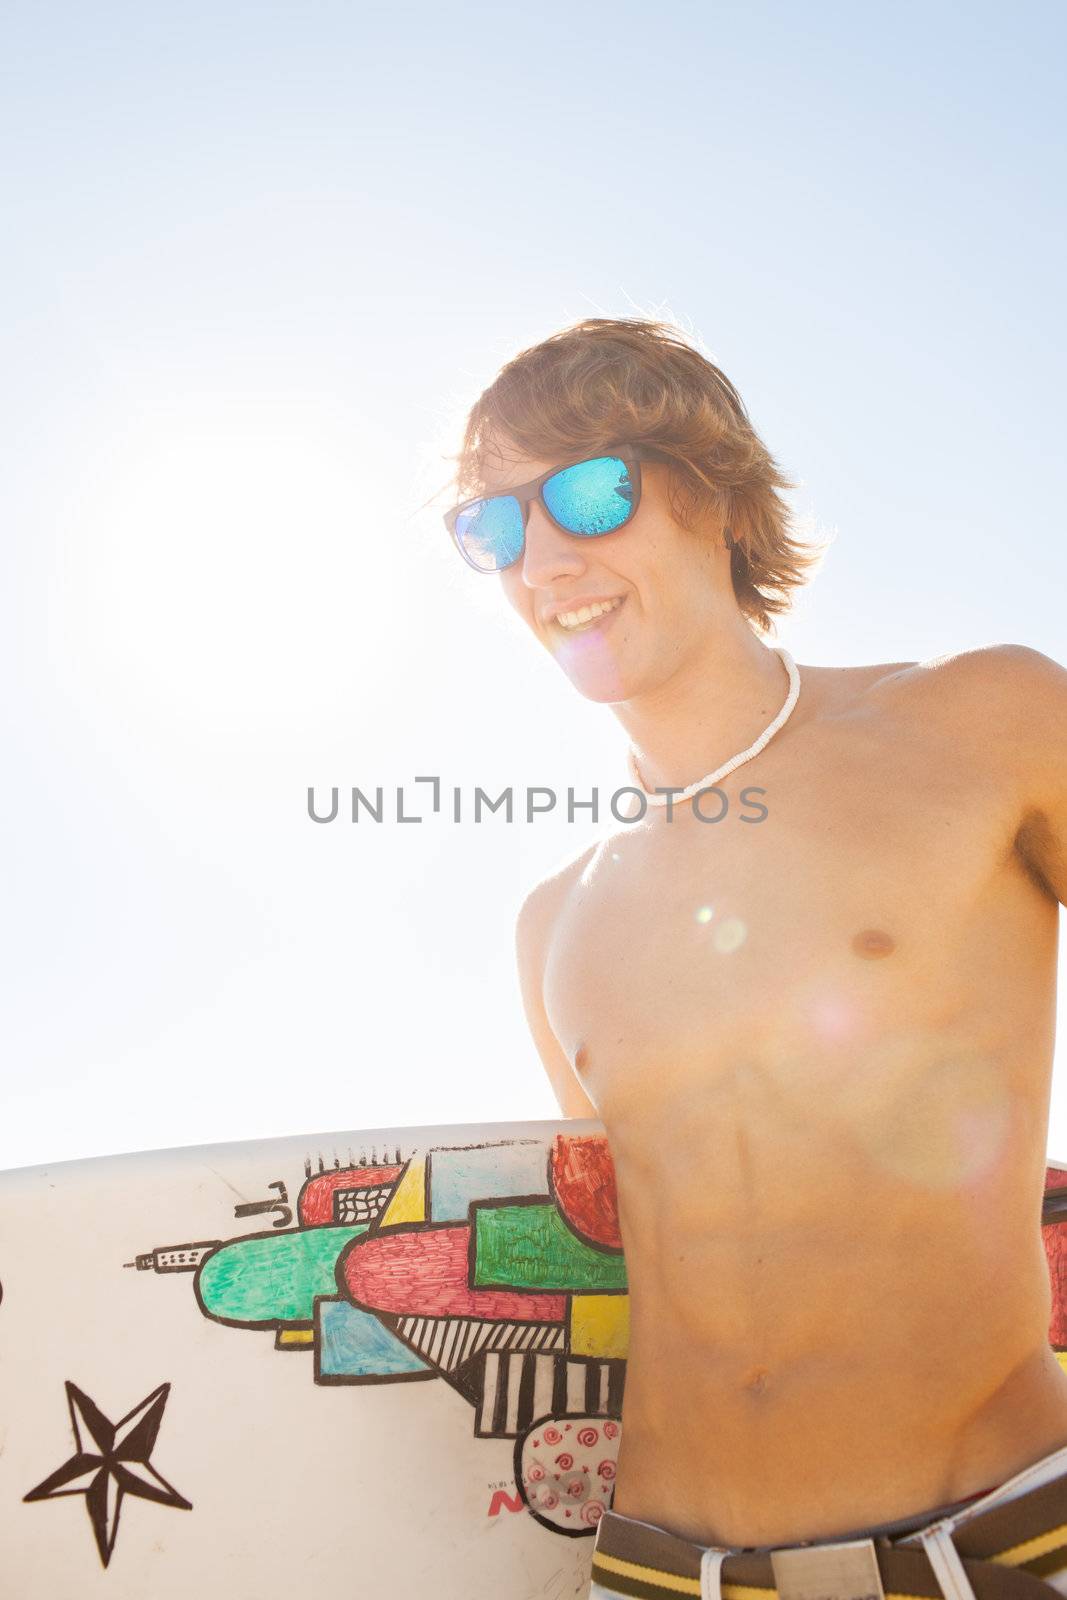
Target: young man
x,y
818,1031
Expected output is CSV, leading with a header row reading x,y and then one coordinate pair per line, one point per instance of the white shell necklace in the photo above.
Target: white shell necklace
x,y
735,761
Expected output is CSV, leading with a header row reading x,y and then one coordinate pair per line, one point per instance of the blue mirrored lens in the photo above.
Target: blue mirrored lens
x,y
490,532
591,497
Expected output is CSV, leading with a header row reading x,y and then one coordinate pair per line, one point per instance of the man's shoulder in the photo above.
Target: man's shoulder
x,y
975,688
1002,709
542,903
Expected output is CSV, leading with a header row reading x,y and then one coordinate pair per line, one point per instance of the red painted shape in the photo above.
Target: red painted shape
x,y
502,1501
315,1207
423,1272
583,1177
1055,1237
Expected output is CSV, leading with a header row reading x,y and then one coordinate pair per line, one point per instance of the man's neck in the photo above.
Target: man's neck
x,y
712,708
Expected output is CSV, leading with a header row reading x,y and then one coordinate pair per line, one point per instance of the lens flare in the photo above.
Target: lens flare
x,y
833,1017
730,935
945,1124
592,665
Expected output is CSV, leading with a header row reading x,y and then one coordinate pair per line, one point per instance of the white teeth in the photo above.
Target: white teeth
x,y
577,619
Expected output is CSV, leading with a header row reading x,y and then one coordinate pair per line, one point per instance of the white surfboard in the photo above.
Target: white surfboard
x,y
392,1358
386,1362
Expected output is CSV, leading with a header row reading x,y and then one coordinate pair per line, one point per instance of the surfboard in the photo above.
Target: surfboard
x,y
393,1358
390,1361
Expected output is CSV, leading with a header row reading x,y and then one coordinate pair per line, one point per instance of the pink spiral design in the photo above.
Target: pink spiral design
x,y
610,1430
606,1469
553,1436
592,1513
588,1436
536,1473
566,1461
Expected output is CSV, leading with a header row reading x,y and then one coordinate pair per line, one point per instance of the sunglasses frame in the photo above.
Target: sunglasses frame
x,y
526,493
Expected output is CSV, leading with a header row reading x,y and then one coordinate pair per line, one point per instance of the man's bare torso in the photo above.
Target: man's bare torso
x,y
821,1047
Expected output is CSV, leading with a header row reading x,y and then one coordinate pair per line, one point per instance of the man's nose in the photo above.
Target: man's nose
x,y
550,553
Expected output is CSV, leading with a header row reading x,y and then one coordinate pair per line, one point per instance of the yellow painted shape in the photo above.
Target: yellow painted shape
x,y
600,1325
296,1336
408,1203
1061,1357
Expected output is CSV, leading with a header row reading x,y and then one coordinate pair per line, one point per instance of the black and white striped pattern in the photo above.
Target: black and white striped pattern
x,y
449,1342
518,1387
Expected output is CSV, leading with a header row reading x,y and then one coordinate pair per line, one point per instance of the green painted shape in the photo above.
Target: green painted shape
x,y
272,1278
531,1247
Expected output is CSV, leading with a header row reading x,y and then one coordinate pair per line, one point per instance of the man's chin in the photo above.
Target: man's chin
x,y
599,673
603,688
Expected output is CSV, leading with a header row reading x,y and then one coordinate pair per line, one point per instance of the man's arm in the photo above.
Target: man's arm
x,y
1040,698
1016,703
532,929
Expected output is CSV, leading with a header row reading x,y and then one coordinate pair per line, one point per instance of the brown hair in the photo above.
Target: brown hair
x,y
605,381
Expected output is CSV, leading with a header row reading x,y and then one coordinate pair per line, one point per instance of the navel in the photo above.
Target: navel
x,y
873,942
581,1058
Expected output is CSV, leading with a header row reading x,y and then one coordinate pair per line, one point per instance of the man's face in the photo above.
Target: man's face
x,y
666,586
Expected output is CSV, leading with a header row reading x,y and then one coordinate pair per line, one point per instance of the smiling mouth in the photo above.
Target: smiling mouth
x,y
586,617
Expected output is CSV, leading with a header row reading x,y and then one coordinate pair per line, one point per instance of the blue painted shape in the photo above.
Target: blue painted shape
x,y
491,1172
354,1344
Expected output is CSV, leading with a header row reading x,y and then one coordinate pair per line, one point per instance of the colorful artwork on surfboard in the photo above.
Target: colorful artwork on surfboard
x,y
455,1294
1054,1234
496,1267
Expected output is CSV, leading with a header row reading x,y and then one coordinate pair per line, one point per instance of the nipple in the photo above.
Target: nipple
x,y
873,942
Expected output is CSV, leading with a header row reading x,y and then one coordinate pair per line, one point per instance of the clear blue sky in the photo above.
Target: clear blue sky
x,y
257,261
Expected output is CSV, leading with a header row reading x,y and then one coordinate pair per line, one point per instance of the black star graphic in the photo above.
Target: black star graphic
x,y
117,1467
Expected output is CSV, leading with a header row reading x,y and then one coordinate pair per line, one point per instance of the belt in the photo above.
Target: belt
x,y
1003,1553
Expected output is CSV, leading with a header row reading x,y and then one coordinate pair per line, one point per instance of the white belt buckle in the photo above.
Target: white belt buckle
x,y
847,1571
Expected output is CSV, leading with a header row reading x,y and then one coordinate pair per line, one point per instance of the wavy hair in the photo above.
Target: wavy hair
x,y
606,381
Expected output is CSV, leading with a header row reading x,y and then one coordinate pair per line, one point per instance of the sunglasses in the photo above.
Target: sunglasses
x,y
587,499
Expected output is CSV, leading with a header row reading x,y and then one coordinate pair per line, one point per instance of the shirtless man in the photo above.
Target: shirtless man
x,y
820,1041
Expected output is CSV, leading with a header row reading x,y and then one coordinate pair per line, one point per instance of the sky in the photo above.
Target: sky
x,y
258,262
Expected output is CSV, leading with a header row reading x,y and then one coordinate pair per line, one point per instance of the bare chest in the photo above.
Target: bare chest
x,y
877,893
